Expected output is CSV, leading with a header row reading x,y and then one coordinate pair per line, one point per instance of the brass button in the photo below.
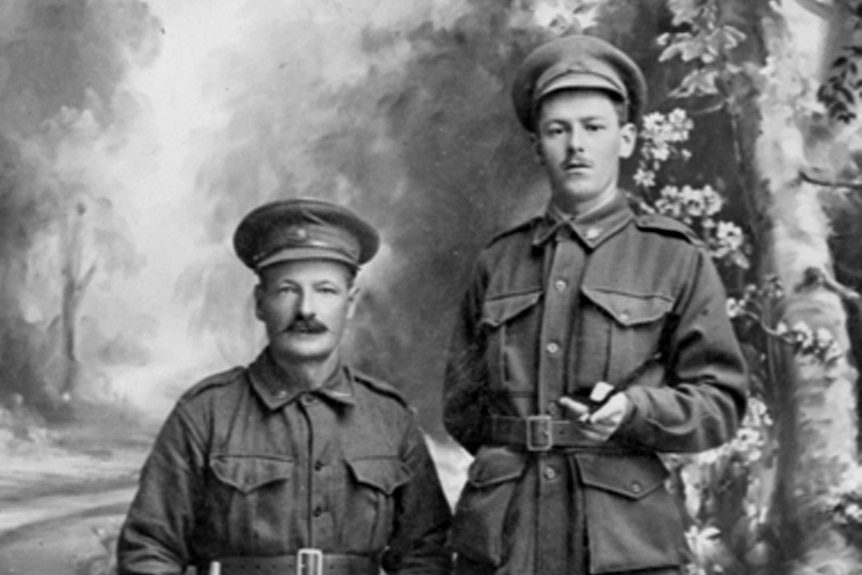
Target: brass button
x,y
281,394
318,465
553,348
308,399
593,233
560,285
549,473
318,511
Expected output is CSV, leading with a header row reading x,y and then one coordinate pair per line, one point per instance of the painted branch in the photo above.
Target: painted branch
x,y
855,185
821,9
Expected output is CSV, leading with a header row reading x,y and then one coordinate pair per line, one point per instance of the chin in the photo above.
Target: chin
x,y
581,193
311,351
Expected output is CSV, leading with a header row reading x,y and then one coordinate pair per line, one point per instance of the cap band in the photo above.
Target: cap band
x,y
288,242
302,229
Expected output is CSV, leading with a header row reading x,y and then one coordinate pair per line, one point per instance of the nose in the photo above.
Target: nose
x,y
305,305
576,140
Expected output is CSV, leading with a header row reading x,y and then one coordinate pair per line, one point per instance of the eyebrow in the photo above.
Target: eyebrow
x,y
567,120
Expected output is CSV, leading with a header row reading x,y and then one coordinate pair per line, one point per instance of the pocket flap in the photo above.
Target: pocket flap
x,y
499,310
495,465
629,309
632,476
385,474
248,473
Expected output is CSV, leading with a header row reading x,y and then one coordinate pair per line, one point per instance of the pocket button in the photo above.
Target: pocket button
x,y
637,487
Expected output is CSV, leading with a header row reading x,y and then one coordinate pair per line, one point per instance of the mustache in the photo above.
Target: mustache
x,y
577,162
306,325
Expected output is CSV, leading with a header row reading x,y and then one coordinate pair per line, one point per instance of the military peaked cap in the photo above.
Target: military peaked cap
x,y
304,229
576,62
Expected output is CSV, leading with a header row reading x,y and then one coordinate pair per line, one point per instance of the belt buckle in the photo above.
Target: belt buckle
x,y
539,436
309,562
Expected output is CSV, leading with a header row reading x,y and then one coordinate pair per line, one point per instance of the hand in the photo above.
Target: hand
x,y
603,422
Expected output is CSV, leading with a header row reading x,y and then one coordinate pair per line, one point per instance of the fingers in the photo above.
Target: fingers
x,y
604,421
576,409
611,411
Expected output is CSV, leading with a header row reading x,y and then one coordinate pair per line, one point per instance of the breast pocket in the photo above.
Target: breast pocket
x,y
633,522
511,322
248,496
375,481
623,329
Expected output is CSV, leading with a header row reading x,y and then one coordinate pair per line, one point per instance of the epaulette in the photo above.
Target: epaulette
x,y
380,387
517,228
669,226
216,380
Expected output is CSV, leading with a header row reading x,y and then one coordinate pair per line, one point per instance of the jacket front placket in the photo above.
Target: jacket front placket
x,y
559,317
321,424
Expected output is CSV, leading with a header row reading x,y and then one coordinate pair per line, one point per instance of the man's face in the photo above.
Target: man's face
x,y
305,306
580,140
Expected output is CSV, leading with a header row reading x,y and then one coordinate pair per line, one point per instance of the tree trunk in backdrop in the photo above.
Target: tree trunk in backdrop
x,y
813,402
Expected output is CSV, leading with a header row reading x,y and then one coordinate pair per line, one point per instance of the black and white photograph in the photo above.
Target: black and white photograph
x,y
430,287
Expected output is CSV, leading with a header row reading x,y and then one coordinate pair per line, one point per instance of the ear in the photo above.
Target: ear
x,y
628,139
352,299
536,143
258,298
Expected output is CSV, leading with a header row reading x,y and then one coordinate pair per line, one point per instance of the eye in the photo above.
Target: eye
x,y
595,127
552,129
286,289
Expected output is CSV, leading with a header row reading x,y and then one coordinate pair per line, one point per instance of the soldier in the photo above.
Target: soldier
x,y
296,464
589,341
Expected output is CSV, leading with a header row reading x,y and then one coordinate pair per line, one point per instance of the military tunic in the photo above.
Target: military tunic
x,y
250,464
556,305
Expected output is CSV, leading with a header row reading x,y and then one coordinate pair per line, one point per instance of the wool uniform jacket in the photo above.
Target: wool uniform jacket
x,y
554,306
249,464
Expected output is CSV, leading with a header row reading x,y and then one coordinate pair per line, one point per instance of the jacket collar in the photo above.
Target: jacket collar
x,y
276,388
592,228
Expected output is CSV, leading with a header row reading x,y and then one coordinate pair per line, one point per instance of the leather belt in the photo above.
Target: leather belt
x,y
541,433
305,562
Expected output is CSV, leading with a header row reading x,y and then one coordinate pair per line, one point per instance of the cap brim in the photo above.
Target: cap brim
x,y
307,253
580,82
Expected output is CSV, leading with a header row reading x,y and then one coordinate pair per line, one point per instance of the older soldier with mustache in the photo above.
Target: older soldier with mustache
x,y
296,464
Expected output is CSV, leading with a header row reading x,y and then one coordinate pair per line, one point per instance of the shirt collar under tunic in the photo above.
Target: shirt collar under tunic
x,y
276,387
591,228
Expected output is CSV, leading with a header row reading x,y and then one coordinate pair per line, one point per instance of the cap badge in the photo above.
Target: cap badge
x,y
297,234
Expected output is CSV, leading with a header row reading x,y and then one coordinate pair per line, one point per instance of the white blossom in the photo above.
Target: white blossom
x,y
644,178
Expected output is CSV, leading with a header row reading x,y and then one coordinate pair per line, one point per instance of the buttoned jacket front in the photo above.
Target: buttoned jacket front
x,y
250,464
554,307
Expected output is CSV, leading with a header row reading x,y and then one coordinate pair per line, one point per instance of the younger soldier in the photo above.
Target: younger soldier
x,y
567,480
